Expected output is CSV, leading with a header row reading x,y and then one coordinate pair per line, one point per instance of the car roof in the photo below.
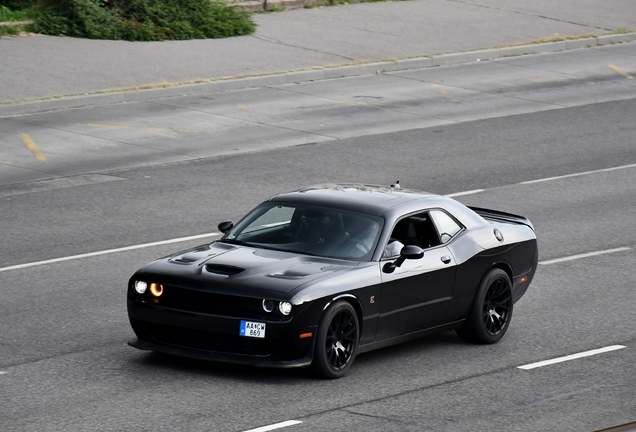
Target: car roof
x,y
370,199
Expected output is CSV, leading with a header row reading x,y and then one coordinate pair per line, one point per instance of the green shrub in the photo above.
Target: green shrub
x,y
17,4
14,10
141,20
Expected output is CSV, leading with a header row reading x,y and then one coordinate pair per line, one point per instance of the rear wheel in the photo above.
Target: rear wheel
x,y
336,340
491,311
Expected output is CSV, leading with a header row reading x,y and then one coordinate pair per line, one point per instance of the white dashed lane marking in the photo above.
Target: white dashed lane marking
x,y
571,357
578,174
275,426
585,255
470,192
108,251
183,239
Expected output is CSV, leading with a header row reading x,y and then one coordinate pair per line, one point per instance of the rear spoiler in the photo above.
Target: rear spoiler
x,y
499,216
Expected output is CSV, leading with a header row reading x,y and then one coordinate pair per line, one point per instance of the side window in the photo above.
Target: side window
x,y
416,230
446,225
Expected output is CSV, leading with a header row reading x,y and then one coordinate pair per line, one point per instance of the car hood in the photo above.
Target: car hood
x,y
232,269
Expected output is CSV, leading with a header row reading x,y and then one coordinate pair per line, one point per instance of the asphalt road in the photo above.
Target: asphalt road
x,y
299,39
140,177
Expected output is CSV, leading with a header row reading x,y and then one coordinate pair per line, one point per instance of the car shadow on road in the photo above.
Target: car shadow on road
x,y
410,351
171,363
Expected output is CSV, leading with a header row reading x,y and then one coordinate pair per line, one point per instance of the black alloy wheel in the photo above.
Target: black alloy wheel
x,y
337,340
491,311
497,307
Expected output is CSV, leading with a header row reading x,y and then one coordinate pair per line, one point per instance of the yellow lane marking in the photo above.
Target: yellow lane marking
x,y
243,108
445,93
621,71
142,128
31,145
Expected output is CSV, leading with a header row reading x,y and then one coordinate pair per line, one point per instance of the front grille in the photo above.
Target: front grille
x,y
213,303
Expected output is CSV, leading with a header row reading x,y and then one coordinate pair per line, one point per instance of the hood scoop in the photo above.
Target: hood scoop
x,y
225,270
188,258
290,274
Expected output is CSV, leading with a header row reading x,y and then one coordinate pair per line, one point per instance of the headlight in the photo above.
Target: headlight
x,y
141,286
156,289
285,308
269,305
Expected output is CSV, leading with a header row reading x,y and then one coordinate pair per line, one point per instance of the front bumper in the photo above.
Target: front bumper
x,y
222,358
216,338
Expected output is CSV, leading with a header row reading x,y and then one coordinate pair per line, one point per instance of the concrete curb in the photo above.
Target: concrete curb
x,y
258,6
213,86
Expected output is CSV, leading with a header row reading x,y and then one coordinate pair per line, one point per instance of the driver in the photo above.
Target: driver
x,y
393,248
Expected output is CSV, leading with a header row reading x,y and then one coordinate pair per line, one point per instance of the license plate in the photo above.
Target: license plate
x,y
252,329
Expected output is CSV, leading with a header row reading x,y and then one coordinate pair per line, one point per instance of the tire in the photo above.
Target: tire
x,y
336,341
490,314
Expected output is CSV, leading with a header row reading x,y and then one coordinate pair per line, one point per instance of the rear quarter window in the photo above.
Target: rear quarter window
x,y
445,224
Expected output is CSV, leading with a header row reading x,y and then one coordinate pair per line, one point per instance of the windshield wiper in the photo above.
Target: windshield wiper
x,y
234,242
264,246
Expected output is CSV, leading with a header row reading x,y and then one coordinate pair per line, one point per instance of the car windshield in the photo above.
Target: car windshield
x,y
309,230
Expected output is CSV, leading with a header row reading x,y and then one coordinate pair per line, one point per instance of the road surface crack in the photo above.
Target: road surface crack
x,y
278,42
529,14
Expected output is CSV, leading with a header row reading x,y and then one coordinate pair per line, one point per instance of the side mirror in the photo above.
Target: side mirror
x,y
225,226
411,252
407,252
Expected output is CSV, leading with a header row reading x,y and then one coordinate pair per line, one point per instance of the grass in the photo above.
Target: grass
x,y
9,31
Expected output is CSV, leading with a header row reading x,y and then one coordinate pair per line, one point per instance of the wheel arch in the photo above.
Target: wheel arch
x,y
354,302
505,267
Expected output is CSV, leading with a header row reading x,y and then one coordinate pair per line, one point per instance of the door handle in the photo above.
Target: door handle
x,y
446,259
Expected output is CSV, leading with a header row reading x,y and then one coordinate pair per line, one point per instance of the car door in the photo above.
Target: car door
x,y
416,295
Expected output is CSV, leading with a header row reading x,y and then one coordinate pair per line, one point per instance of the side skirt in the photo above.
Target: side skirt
x,y
408,337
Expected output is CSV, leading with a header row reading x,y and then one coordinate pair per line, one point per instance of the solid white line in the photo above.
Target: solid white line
x,y
585,255
275,426
578,174
2,373
108,251
470,192
571,357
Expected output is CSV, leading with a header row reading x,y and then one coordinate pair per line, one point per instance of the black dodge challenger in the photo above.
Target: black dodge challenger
x,y
315,276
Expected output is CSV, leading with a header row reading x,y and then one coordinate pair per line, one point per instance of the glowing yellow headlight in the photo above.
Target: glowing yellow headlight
x,y
156,289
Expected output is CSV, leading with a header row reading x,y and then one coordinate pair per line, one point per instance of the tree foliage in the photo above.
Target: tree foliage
x,y
141,20
17,4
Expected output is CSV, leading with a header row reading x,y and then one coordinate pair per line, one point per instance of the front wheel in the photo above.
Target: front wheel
x,y
336,340
490,314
